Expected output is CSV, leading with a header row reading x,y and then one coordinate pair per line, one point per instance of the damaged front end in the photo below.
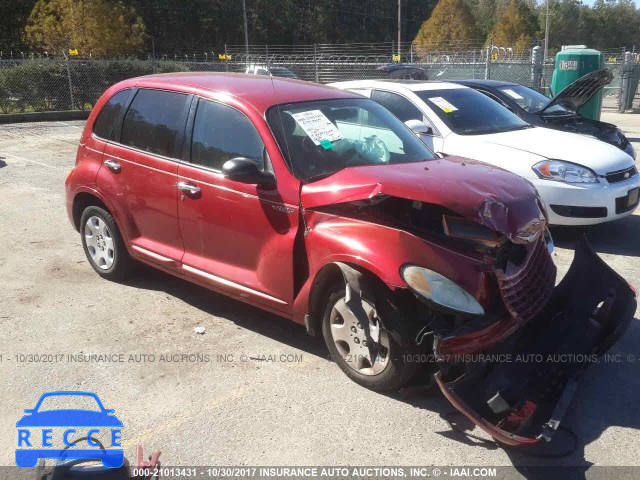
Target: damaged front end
x,y
466,250
519,389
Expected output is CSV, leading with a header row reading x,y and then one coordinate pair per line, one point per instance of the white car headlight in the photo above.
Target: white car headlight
x,y
440,290
564,172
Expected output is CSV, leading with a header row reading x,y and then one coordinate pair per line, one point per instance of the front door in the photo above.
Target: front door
x,y
238,238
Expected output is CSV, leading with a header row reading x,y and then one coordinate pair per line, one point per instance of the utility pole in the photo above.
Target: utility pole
x,y
546,35
246,33
399,25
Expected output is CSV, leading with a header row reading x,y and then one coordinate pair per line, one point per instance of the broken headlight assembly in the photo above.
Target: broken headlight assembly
x,y
564,172
439,290
469,230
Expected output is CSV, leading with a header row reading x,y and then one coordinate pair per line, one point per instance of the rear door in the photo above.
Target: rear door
x,y
140,173
238,237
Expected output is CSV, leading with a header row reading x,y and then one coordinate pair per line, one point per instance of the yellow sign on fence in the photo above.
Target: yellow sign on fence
x,y
224,56
395,58
73,52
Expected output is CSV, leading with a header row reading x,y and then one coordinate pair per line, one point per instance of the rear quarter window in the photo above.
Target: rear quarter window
x,y
104,126
155,122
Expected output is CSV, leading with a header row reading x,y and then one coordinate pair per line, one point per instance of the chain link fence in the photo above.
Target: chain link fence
x,y
31,82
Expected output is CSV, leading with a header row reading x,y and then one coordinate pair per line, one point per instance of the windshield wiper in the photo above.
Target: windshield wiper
x,y
513,129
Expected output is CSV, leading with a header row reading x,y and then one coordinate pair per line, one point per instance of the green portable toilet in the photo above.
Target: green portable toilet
x,y
572,62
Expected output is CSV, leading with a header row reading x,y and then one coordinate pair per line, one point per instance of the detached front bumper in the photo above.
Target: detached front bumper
x,y
519,389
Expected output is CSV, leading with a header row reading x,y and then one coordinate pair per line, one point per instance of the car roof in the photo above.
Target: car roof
x,y
399,84
260,91
483,83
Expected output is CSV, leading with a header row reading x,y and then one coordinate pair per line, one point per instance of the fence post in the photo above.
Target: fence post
x,y
626,97
536,67
315,60
226,62
487,66
474,63
66,61
153,55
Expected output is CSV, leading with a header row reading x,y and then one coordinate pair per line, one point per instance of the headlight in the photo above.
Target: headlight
x,y
440,290
564,172
469,230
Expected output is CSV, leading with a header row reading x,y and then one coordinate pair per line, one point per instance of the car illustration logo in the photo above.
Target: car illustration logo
x,y
37,438
627,175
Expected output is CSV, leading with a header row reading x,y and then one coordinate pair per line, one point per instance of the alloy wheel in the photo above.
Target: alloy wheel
x,y
350,338
99,241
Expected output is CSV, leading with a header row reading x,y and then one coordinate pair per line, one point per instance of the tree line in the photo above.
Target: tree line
x,y
115,27
520,24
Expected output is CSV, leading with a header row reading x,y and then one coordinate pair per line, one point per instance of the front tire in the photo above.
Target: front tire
x,y
103,244
385,367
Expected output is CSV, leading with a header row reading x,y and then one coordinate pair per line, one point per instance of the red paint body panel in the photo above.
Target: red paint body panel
x,y
145,196
239,232
489,195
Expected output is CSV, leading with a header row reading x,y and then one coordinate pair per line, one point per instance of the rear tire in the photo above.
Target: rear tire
x,y
392,367
103,244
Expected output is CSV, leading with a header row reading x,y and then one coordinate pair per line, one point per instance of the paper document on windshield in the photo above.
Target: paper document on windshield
x,y
444,105
317,126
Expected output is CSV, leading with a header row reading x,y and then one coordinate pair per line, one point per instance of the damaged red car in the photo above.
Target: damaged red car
x,y
320,206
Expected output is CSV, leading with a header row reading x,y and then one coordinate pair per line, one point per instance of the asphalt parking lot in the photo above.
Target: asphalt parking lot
x,y
267,394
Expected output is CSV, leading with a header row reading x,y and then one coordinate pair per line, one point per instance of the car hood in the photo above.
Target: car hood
x,y
489,195
576,94
69,418
599,156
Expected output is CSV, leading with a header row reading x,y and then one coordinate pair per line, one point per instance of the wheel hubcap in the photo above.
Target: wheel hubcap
x,y
99,242
351,341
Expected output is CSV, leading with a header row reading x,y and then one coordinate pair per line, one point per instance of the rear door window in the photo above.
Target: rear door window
x,y
221,133
110,114
155,122
398,105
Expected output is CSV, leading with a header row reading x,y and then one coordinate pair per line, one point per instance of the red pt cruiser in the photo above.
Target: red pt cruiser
x,y
320,206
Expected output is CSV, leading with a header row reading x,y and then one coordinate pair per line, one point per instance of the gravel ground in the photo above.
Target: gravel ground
x,y
267,410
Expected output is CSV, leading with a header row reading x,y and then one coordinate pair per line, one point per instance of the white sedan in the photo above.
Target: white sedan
x,y
581,180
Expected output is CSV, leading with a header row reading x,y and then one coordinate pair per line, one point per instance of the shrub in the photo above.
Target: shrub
x,y
43,85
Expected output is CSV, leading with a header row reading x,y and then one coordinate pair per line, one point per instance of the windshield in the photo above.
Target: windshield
x,y
531,100
320,138
282,72
467,112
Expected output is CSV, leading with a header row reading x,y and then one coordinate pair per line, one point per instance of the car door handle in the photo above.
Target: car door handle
x,y
112,165
189,188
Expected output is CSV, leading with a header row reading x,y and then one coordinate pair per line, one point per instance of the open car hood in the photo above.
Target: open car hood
x,y
581,91
404,71
486,194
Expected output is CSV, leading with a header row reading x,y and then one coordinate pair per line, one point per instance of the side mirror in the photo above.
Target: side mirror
x,y
244,170
418,127
29,410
